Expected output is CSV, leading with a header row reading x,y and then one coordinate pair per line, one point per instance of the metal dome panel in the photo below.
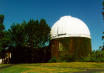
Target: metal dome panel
x,y
68,26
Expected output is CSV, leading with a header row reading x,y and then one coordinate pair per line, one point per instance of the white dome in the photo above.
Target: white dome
x,y
68,26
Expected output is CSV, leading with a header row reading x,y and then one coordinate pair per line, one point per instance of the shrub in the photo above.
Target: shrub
x,y
95,56
66,58
52,60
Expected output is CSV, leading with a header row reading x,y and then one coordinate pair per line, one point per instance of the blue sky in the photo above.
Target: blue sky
x,y
89,11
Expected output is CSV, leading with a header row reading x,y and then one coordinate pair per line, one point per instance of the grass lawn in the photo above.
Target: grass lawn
x,y
2,65
65,67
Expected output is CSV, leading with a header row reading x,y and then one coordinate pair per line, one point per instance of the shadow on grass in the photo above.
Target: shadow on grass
x,y
6,66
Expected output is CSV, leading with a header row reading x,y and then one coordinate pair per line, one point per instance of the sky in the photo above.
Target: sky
x,y
89,11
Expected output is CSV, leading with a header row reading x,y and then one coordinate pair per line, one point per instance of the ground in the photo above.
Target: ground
x,y
65,67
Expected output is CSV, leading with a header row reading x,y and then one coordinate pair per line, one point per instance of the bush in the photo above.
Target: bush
x,y
52,60
95,56
66,58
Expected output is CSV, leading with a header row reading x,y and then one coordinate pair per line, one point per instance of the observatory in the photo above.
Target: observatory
x,y
70,36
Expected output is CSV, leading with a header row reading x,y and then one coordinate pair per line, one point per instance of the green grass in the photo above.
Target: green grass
x,y
65,67
1,65
13,69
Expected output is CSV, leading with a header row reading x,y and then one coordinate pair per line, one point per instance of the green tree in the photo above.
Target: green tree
x,y
17,34
102,47
29,39
1,19
17,37
37,34
103,41
1,30
1,26
4,38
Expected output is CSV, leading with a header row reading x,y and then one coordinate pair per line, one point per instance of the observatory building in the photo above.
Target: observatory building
x,y
70,36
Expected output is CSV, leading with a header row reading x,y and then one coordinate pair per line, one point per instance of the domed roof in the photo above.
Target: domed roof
x,y
68,26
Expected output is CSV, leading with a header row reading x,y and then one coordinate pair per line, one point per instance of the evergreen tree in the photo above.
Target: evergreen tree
x,y
103,32
29,39
103,41
1,31
4,38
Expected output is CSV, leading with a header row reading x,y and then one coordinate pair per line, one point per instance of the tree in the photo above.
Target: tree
x,y
103,19
37,34
1,26
103,41
1,31
29,39
4,39
17,34
17,37
1,19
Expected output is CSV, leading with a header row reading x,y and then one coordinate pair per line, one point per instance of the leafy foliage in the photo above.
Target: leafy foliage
x,y
52,60
29,40
17,35
26,41
4,39
95,56
37,33
1,19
